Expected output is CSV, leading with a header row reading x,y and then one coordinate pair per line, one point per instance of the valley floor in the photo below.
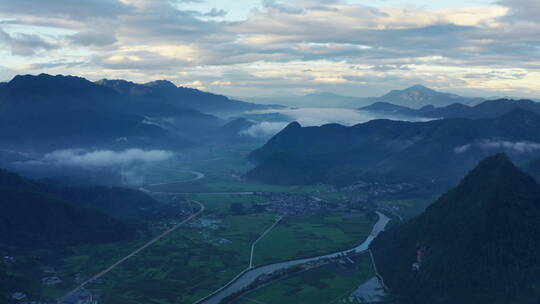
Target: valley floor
x,y
204,254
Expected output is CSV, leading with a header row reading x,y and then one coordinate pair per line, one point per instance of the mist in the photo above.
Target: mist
x,y
104,158
508,146
308,117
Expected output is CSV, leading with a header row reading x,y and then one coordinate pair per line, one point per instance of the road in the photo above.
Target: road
x,y
137,251
198,176
248,276
260,238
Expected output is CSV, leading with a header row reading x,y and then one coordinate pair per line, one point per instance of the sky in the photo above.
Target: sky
x,y
261,48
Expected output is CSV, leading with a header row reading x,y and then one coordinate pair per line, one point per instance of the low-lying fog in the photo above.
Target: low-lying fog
x,y
315,117
128,166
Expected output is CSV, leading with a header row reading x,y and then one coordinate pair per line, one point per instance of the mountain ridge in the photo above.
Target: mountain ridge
x,y
388,150
415,96
486,109
479,237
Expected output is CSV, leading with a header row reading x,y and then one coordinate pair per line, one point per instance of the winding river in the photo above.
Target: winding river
x,y
251,274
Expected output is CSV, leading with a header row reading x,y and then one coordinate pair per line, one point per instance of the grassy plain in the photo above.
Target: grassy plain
x,y
331,283
189,264
306,236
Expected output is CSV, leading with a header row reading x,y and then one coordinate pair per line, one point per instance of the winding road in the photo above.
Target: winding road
x,y
137,251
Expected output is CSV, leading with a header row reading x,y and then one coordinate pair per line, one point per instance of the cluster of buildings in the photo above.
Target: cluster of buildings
x,y
291,204
362,192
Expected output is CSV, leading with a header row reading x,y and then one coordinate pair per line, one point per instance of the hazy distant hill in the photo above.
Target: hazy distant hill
x,y
317,100
232,131
167,92
438,151
478,244
486,109
414,97
419,96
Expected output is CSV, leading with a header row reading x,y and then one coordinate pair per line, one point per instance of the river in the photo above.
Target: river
x,y
251,274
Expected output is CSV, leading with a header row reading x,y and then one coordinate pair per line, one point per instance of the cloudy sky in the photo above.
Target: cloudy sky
x,y
273,47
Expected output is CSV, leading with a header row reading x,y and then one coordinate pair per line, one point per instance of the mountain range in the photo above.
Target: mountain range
x,y
415,97
168,93
435,152
486,109
419,96
477,244
51,112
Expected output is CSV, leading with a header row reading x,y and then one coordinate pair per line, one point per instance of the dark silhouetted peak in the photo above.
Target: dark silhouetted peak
x,y
482,236
44,80
293,125
114,82
165,84
494,173
120,86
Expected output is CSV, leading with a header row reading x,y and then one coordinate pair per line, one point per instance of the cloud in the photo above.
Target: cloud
x,y
104,158
462,149
65,9
93,38
25,44
264,129
520,147
522,10
314,117
318,117
326,40
516,147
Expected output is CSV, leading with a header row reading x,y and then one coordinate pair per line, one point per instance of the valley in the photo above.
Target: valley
x,y
192,254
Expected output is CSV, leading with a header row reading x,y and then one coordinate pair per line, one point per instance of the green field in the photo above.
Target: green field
x,y
215,182
308,236
189,264
331,283
206,253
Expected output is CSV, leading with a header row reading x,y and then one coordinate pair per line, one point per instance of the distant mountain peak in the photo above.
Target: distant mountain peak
x,y
161,84
419,87
293,125
46,78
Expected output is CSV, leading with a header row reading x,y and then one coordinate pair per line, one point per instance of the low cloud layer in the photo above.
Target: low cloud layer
x,y
264,129
316,117
105,158
515,147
